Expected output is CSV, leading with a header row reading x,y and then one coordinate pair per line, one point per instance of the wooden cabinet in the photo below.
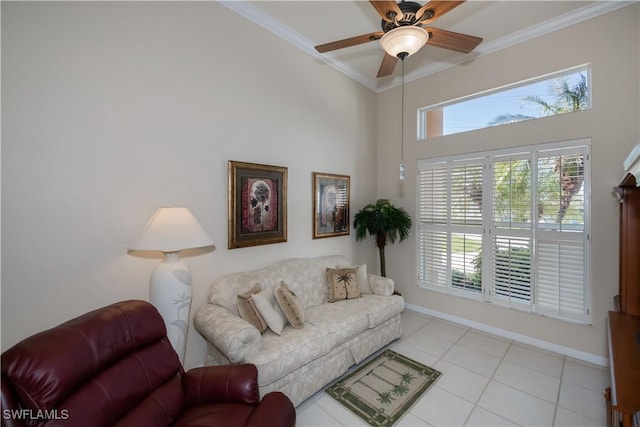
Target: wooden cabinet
x,y
623,399
629,246
624,348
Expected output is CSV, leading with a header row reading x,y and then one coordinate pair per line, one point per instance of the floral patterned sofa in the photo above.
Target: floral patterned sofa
x,y
299,362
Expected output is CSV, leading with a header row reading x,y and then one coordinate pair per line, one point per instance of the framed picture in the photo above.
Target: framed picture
x,y
330,205
257,204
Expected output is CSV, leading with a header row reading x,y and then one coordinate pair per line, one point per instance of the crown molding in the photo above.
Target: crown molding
x,y
266,21
269,23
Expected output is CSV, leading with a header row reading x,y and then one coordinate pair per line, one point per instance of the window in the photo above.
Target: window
x,y
563,92
509,227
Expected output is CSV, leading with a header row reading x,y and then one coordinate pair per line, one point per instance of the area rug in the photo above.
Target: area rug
x,y
383,390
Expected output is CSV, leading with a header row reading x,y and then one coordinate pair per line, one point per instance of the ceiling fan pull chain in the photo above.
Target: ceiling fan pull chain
x,y
402,113
401,167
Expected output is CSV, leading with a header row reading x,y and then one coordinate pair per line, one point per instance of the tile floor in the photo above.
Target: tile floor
x,y
487,381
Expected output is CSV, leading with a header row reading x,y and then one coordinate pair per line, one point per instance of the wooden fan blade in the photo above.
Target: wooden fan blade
x,y
387,66
435,9
351,41
450,40
383,7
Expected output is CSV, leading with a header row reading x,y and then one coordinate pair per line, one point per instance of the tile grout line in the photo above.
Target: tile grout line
x,y
555,410
487,386
574,384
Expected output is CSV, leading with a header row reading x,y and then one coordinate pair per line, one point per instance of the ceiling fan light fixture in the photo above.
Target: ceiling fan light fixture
x,y
404,41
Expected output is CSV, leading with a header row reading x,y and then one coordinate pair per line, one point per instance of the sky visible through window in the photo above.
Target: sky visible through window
x,y
479,112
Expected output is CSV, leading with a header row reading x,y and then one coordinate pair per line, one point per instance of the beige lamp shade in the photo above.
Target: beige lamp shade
x,y
171,230
404,40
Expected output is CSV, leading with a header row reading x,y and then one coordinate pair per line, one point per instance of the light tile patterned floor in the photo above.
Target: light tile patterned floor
x,y
487,381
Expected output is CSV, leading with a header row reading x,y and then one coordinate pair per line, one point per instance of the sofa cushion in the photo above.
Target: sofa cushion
x,y
248,310
268,307
327,327
343,283
339,320
290,305
379,309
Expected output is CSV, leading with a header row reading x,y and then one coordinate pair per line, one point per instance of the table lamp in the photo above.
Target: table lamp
x,y
171,230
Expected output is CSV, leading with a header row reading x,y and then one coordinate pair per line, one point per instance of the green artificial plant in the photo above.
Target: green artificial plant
x,y
384,221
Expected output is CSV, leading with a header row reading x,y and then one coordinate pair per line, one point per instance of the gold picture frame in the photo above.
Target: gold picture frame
x,y
257,204
330,205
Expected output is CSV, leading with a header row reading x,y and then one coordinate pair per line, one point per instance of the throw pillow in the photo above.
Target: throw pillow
x,y
363,280
290,305
248,311
268,307
343,283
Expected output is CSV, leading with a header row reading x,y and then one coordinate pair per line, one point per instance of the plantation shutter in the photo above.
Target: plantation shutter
x,y
562,247
466,224
433,211
511,228
512,269
561,280
466,194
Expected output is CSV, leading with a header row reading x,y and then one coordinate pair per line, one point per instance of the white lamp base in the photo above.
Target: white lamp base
x,y
170,293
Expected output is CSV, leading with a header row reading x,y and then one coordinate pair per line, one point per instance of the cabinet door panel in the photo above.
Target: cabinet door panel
x,y
630,251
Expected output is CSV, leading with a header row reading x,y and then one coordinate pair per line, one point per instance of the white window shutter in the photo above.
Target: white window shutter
x,y
561,280
434,266
509,227
433,197
466,194
512,269
433,212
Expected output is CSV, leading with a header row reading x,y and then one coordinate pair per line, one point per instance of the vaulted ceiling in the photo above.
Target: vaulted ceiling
x,y
500,23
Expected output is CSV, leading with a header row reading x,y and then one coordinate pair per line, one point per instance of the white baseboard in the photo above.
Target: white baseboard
x,y
566,351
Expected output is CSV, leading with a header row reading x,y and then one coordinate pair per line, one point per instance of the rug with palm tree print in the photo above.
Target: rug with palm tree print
x,y
384,389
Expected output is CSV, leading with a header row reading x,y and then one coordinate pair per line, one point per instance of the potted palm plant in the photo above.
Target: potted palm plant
x,y
384,221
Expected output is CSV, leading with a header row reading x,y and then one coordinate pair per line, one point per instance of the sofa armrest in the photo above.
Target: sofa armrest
x,y
236,338
381,285
275,410
222,384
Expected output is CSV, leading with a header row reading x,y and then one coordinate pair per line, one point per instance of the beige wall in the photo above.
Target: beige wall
x,y
110,111
610,44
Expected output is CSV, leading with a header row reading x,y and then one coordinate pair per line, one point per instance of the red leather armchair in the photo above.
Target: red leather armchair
x,y
115,366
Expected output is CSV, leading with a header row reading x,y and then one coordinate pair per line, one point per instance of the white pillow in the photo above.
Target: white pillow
x,y
267,305
363,280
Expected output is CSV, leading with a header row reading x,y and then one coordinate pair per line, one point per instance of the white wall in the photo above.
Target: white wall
x,y
111,110
610,45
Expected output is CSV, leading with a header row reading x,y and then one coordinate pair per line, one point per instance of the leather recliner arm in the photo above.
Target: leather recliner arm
x,y
225,383
275,409
9,402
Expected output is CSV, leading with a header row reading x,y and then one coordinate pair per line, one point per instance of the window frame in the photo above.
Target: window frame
x,y
423,114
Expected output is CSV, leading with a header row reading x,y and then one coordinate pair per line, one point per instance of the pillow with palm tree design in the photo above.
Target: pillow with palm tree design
x,y
343,283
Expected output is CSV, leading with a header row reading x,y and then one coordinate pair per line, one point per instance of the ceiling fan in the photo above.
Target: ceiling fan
x,y
402,32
